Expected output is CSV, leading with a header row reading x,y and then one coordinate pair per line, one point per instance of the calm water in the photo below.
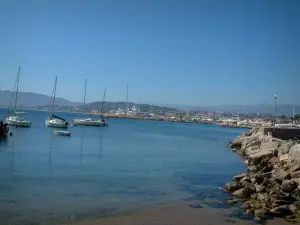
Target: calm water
x,y
126,166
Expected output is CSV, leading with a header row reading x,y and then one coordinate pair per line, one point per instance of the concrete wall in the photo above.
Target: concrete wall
x,y
282,133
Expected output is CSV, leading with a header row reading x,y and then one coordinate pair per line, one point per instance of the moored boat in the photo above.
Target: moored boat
x,y
55,121
61,132
15,120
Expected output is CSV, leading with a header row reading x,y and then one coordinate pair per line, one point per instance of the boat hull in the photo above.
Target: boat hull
x,y
54,123
61,133
82,122
18,123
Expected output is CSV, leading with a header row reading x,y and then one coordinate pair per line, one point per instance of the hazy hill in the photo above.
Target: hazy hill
x,y
28,99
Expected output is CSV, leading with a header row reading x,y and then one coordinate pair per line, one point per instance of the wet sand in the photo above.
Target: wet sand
x,y
178,214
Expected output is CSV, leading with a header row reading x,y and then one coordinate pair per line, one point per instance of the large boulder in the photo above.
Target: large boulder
x,y
294,154
285,147
263,197
288,186
243,193
267,151
295,175
295,207
239,177
282,210
283,158
273,163
261,213
256,158
287,174
260,188
231,187
296,194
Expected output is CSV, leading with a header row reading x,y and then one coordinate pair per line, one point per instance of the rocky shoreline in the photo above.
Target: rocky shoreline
x,y
272,185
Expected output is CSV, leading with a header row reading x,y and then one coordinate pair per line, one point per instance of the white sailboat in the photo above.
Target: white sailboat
x,y
15,120
87,121
55,121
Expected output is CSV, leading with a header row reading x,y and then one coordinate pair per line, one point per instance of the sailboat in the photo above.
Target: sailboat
x,y
55,121
104,120
87,121
15,120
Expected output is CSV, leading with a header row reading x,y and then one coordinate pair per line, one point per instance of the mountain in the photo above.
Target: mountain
x,y
29,99
32,100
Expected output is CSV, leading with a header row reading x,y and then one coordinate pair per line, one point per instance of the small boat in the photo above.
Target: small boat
x,y
61,132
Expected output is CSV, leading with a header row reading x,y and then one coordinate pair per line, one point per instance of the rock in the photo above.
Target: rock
x,y
284,158
273,162
231,187
253,196
248,185
237,143
253,181
295,207
294,154
288,186
264,162
266,182
260,188
239,177
295,175
261,213
252,169
243,193
251,204
296,194
287,174
263,197
246,179
282,210
232,201
276,196
259,178
285,148
256,158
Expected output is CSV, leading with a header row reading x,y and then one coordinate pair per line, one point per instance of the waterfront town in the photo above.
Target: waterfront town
x,y
125,110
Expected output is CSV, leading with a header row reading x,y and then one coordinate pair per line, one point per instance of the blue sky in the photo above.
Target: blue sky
x,y
176,52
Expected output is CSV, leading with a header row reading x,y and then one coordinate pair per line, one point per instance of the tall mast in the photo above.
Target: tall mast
x,y
54,91
84,94
127,100
18,77
12,97
103,99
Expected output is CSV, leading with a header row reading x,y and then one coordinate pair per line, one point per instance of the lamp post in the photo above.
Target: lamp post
x,y
275,107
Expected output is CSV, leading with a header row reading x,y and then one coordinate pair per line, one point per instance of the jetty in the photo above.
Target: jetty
x,y
271,186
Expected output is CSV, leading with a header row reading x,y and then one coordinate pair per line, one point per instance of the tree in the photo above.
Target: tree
x,y
297,117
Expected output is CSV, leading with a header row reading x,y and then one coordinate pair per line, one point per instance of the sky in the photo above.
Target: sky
x,y
185,52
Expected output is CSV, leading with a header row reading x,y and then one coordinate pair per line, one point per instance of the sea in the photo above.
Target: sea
x,y
101,171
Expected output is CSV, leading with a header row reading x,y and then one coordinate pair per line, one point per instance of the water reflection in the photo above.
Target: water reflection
x,y
50,153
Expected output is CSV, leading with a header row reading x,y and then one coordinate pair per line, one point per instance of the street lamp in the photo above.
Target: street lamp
x,y
275,107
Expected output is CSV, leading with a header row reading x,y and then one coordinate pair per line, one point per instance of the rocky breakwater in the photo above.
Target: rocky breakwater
x,y
272,184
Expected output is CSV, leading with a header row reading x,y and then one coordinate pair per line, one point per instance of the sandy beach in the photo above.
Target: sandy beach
x,y
178,214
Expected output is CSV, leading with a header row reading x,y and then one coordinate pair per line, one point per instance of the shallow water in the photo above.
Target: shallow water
x,y
97,171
